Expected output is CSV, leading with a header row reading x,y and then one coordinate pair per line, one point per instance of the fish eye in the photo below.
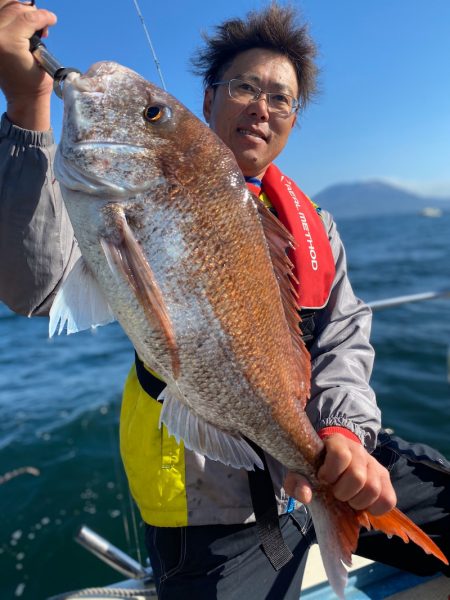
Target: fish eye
x,y
154,113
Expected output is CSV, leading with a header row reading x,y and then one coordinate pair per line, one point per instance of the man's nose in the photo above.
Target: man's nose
x,y
259,107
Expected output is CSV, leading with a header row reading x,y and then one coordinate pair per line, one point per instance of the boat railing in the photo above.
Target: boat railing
x,y
110,554
377,305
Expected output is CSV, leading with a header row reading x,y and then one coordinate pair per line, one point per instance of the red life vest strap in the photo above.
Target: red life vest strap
x,y
312,257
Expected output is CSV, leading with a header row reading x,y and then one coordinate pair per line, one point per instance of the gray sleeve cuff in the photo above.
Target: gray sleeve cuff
x,y
25,137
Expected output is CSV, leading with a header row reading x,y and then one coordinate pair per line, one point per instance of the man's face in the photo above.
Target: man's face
x,y
254,133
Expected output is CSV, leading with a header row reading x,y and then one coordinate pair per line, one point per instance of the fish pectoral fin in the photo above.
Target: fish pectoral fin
x,y
203,437
79,303
127,261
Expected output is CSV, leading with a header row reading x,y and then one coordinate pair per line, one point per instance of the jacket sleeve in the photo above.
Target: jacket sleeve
x,y
342,357
37,244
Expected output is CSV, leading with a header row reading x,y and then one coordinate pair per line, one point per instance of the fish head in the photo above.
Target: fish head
x,y
122,135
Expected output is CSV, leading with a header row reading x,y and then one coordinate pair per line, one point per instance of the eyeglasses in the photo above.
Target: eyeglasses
x,y
245,92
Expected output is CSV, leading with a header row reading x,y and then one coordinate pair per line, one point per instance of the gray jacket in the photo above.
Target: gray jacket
x,y
38,249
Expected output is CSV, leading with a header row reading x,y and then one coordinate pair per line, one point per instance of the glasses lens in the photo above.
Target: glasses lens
x,y
281,103
243,90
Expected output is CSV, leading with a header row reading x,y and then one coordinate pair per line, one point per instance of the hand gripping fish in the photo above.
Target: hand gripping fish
x,y
194,268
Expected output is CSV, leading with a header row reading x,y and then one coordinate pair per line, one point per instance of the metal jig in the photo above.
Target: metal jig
x,y
48,62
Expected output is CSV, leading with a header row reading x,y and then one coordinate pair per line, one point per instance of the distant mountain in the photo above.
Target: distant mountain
x,y
373,198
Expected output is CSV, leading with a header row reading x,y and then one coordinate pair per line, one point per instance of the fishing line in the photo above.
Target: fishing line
x,y
135,528
155,58
118,474
132,538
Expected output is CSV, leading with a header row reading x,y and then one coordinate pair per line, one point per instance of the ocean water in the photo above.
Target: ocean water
x,y
60,404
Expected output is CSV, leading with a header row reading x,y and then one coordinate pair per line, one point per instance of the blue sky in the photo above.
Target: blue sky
x,y
384,106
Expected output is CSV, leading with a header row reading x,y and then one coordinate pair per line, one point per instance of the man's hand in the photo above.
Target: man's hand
x,y
26,86
354,475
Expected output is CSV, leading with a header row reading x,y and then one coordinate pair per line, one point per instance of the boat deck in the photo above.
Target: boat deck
x,y
372,581
367,581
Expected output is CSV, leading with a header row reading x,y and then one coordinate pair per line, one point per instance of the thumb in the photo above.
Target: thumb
x,y
298,487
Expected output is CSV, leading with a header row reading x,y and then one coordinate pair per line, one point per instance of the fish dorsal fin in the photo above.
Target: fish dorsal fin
x,y
203,437
79,303
279,240
127,260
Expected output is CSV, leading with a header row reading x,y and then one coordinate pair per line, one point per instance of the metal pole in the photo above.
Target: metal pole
x,y
110,554
398,300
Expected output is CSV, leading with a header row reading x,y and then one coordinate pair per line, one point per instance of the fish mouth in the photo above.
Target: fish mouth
x,y
78,179
96,144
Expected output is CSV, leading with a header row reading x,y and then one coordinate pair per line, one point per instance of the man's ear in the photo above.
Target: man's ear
x,y
207,103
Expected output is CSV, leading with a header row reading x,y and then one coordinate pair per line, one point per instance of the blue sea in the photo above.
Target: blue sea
x,y
60,405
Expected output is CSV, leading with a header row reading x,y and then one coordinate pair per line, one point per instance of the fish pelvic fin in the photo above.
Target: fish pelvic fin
x,y
279,240
127,261
397,523
337,528
79,303
203,437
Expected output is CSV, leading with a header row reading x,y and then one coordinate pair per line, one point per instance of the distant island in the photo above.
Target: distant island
x,y
375,198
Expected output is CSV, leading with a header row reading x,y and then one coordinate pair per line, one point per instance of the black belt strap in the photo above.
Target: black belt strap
x,y
266,514
151,384
307,326
260,482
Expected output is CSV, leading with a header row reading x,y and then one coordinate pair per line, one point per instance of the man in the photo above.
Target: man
x,y
201,534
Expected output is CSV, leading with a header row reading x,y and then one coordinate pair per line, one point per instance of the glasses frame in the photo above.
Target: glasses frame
x,y
295,102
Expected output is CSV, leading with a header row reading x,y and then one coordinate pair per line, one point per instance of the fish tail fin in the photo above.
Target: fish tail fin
x,y
337,532
337,528
395,522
